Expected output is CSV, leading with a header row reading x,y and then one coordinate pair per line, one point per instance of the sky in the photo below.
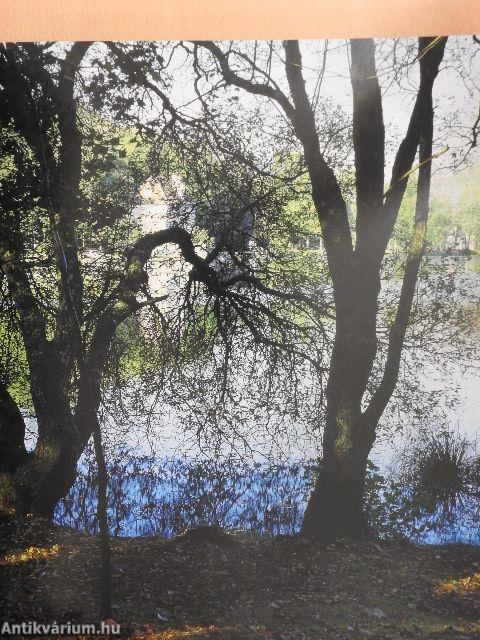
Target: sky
x,y
456,90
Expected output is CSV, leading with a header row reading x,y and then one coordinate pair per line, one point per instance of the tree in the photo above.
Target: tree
x,y
352,413
74,262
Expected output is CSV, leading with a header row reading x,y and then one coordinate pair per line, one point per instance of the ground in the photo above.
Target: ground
x,y
232,587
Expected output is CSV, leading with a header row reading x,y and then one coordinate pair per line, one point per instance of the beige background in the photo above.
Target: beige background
x,y
232,19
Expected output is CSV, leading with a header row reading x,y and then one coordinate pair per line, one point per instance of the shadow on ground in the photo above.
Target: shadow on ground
x,y
234,587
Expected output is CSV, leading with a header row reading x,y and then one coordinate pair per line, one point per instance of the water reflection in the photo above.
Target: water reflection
x,y
149,496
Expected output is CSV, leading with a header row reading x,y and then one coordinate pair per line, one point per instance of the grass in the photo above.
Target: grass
x,y
439,470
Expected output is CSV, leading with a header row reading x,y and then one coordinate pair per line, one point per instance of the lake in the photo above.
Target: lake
x,y
159,486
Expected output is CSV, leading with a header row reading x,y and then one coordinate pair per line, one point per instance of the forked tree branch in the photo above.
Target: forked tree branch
x,y
383,393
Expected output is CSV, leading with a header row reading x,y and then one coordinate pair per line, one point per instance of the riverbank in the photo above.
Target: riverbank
x,y
234,587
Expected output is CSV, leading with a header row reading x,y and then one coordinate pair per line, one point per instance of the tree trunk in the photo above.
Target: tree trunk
x,y
88,422
34,482
12,447
336,506
102,516
46,478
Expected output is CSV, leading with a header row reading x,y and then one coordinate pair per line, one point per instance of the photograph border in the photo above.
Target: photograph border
x,y
40,20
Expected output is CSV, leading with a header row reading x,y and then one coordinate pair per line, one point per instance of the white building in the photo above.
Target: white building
x,y
166,270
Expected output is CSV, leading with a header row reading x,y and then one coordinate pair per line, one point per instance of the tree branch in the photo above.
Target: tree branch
x,y
326,193
135,74
232,78
430,55
381,396
368,140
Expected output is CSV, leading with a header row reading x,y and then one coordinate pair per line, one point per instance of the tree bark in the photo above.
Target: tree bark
x,y
335,507
13,453
102,517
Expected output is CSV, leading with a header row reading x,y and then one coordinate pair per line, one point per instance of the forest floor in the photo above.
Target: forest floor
x,y
233,587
